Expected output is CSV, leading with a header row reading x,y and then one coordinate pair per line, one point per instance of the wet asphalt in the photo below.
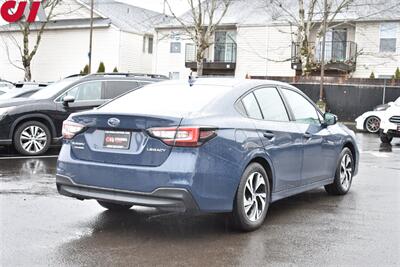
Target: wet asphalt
x,y
38,227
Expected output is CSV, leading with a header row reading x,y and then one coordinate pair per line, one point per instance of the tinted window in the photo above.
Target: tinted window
x,y
271,104
85,91
303,110
251,106
116,88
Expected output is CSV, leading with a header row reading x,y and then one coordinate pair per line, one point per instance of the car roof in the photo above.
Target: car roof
x,y
235,83
121,76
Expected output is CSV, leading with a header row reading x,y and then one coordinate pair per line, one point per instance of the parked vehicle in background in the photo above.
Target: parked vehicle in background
x,y
15,93
370,120
211,145
29,85
4,90
390,123
32,124
6,85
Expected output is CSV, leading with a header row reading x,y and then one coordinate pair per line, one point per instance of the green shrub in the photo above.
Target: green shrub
x,y
115,69
101,68
397,74
85,70
372,75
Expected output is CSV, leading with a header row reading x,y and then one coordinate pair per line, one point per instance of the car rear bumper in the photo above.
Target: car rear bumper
x,y
210,181
176,199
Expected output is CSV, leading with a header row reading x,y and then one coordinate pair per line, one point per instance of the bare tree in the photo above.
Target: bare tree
x,y
200,24
29,32
307,15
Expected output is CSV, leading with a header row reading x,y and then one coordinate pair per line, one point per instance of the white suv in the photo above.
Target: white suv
x,y
390,123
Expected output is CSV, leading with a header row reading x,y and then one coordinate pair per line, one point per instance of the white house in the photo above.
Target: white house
x,y
257,41
122,38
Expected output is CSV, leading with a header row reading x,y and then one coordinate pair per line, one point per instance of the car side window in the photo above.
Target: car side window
x,y
116,88
251,106
85,91
271,104
302,109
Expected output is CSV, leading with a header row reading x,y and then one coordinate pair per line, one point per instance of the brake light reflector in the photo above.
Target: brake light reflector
x,y
183,136
70,129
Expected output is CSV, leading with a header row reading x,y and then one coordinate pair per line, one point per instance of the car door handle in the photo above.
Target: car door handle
x,y
307,135
268,135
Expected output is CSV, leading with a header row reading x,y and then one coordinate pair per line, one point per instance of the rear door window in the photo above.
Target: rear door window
x,y
116,88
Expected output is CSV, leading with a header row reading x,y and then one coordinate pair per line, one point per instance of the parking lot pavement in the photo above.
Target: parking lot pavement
x,y
40,227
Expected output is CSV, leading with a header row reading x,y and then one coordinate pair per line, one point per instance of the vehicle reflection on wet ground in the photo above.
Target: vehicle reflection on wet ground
x,y
40,227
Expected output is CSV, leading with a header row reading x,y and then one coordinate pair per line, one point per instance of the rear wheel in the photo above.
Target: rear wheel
x,y
344,174
114,206
372,124
32,138
252,199
385,138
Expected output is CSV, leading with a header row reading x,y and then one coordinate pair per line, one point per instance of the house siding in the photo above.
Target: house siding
x,y
251,51
131,55
166,62
61,53
279,50
371,60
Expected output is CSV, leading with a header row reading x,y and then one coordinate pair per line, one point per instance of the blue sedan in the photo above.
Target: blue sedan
x,y
208,145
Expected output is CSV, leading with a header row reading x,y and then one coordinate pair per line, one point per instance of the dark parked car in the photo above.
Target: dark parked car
x,y
32,124
214,145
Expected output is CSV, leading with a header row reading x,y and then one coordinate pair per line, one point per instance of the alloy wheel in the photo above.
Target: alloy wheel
x,y
372,124
346,171
33,139
255,196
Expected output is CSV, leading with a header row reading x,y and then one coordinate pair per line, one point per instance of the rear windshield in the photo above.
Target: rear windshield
x,y
166,99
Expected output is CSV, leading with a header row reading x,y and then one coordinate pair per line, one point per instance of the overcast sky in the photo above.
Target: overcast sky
x,y
178,6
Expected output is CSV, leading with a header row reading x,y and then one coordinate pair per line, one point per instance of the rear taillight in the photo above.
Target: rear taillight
x,y
183,136
70,129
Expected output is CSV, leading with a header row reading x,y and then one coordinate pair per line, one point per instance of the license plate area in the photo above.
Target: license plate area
x,y
116,139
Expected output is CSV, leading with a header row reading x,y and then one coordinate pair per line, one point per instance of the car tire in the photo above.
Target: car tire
x,y
343,175
372,124
114,206
385,138
32,138
252,199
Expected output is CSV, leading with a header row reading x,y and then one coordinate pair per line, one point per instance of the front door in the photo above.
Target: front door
x,y
88,95
318,149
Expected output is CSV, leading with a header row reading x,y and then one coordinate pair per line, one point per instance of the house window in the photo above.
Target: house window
x,y
150,45
144,44
175,47
388,37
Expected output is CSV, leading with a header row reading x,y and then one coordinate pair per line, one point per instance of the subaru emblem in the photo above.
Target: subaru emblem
x,y
113,122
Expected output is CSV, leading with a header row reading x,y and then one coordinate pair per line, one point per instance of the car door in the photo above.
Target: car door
x,y
318,148
279,136
88,95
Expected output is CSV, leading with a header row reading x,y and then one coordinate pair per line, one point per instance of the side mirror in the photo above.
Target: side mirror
x,y
68,99
330,119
